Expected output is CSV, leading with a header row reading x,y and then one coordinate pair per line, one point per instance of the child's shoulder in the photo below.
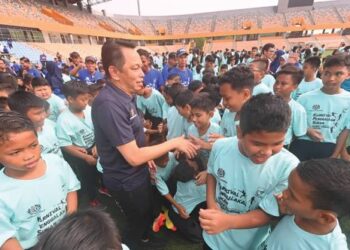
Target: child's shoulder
x,y
225,143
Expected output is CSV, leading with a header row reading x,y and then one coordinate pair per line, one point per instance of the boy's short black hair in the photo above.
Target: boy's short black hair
x,y
261,63
39,82
86,229
173,90
184,98
239,78
265,112
202,102
296,73
6,77
75,88
224,66
22,102
209,78
9,88
330,181
209,58
314,61
3,103
195,85
93,88
214,93
14,122
172,76
143,52
341,60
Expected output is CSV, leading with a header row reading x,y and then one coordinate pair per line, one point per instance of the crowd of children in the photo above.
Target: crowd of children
x,y
271,168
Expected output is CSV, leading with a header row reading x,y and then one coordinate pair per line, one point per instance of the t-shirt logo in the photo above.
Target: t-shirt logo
x,y
82,131
316,107
35,209
132,114
221,173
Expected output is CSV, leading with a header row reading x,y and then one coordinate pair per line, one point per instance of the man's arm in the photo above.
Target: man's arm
x,y
72,202
11,244
136,156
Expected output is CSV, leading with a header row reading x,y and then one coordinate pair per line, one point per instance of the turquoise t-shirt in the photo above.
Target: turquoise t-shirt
x,y
242,186
269,81
213,129
228,124
164,173
165,110
261,88
175,123
72,130
153,104
298,124
189,195
29,207
289,236
305,87
48,140
57,106
185,126
326,113
216,117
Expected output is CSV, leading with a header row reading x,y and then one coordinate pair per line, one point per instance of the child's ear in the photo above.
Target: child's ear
x,y
239,132
211,114
70,99
327,217
247,93
188,107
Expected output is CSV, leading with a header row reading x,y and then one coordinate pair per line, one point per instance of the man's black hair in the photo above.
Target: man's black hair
x,y
239,78
75,88
184,98
202,102
267,46
22,102
341,60
290,69
112,54
330,181
314,61
14,122
84,230
265,112
39,82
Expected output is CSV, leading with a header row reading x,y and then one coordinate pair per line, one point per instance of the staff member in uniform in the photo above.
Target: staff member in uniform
x,y
120,139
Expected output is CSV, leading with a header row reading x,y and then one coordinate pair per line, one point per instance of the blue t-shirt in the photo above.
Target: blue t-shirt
x,y
165,72
116,123
153,78
287,235
34,73
86,76
152,104
29,207
346,85
326,113
185,75
242,186
305,87
298,123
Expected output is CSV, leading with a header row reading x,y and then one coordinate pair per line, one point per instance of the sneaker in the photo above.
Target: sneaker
x,y
104,191
158,223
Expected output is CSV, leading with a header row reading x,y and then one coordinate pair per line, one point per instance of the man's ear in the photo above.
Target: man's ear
x,y
114,72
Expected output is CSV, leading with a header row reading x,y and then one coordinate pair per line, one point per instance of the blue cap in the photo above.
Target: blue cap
x,y
181,52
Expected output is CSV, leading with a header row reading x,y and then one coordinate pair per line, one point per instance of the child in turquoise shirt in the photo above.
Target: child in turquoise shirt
x,y
33,108
318,192
244,173
182,103
75,133
287,80
36,190
42,89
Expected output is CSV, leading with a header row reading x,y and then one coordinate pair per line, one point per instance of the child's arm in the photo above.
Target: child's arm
x,y
72,202
341,140
214,221
180,209
203,144
11,244
80,153
314,134
211,189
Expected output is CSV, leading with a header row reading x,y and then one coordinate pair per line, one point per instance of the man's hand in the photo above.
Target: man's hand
x,y
186,147
213,221
201,178
315,135
200,142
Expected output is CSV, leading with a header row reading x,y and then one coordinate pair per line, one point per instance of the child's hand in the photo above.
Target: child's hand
x,y
281,205
182,211
201,178
315,135
160,128
94,152
147,124
213,221
90,160
213,137
82,150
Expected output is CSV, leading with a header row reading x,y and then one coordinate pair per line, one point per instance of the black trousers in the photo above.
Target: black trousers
x,y
190,228
206,247
86,174
137,206
307,150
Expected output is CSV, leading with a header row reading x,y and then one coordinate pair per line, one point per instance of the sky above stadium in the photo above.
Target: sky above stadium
x,y
178,7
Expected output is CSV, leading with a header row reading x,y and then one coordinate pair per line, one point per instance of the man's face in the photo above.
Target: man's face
x,y
26,65
2,66
131,73
182,61
172,61
260,146
270,53
20,153
145,63
90,66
